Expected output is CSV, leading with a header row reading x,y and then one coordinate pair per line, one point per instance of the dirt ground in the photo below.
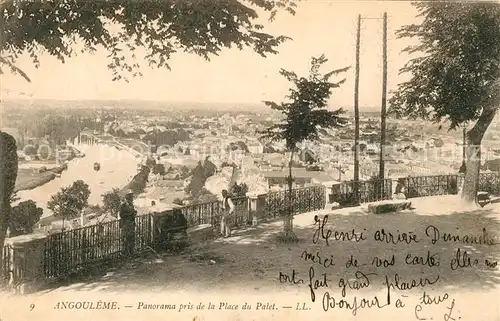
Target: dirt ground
x,y
254,258
253,263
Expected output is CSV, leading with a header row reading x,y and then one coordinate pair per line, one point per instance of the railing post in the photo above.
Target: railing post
x,y
212,214
325,192
252,208
26,262
151,229
156,220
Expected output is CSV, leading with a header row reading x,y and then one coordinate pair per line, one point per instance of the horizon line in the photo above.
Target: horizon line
x,y
4,99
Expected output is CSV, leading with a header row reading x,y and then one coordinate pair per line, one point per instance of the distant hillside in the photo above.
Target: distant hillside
x,y
151,104
134,104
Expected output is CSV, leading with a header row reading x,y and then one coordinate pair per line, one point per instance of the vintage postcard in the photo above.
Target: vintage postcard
x,y
249,160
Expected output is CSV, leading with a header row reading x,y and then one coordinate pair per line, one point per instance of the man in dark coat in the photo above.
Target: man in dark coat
x,y
127,223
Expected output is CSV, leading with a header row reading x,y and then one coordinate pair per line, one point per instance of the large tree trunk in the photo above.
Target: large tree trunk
x,y
8,176
474,139
5,211
3,233
288,218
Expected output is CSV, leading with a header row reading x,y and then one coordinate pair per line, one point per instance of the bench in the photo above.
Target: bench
x,y
494,200
483,198
389,206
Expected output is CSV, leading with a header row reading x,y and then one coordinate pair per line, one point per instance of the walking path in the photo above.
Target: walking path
x,y
247,268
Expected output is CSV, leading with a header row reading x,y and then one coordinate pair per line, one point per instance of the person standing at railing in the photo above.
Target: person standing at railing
x,y
227,214
400,192
127,223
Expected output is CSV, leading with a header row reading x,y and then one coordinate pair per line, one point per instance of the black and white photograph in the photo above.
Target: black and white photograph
x,y
249,160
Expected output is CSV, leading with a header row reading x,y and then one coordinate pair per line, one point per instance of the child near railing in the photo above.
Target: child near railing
x,y
400,192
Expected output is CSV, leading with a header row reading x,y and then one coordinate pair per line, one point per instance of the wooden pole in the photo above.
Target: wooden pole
x,y
464,144
383,111
356,105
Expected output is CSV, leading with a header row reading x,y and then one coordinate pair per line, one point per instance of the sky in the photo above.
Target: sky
x,y
319,27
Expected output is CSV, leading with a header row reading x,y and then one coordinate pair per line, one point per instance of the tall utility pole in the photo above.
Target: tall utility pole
x,y
464,150
356,105
464,142
383,111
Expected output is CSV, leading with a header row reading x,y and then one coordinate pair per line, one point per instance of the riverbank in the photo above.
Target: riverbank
x,y
29,179
117,169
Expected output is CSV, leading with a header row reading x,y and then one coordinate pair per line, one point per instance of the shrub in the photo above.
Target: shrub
x,y
178,201
24,217
70,201
238,190
159,169
112,202
172,231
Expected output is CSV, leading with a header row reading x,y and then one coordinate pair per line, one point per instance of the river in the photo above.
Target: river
x,y
117,169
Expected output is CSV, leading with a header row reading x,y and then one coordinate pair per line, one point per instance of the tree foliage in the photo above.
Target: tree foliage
x,y
8,166
306,109
24,217
159,169
8,176
455,73
238,145
199,176
160,28
456,76
178,201
70,201
198,179
210,168
139,181
112,202
305,112
238,190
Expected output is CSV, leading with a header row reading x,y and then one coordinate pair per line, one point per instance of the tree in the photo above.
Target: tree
x,y
160,28
238,190
24,217
204,196
178,201
239,145
112,202
69,202
8,176
139,181
198,179
304,113
210,168
456,76
159,169
150,162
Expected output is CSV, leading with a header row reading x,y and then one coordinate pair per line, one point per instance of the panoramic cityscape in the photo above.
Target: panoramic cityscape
x,y
231,171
